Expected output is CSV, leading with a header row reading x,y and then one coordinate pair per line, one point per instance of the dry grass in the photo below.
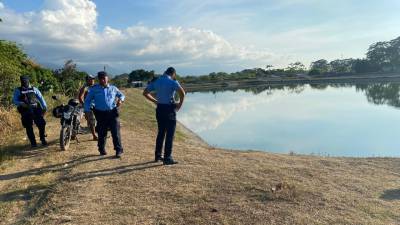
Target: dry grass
x,y
208,186
9,122
12,134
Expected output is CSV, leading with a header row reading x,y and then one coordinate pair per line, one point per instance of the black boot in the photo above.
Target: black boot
x,y
31,136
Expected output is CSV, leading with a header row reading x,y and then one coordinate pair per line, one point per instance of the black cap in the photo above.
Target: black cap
x,y
24,78
170,71
102,74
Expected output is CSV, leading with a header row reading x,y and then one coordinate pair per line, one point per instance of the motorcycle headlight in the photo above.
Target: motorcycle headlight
x,y
67,115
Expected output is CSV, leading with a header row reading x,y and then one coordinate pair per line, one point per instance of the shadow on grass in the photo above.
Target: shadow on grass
x,y
23,194
392,194
24,151
53,168
34,196
112,171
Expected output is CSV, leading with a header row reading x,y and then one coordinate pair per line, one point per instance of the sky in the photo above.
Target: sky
x,y
196,37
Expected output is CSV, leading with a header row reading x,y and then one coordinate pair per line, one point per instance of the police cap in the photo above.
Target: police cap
x,y
102,74
24,78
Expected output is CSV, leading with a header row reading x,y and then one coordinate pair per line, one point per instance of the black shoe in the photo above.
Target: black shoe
x,y
103,153
44,143
118,155
33,145
169,162
158,158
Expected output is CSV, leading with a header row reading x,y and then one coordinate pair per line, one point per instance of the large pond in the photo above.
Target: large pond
x,y
330,120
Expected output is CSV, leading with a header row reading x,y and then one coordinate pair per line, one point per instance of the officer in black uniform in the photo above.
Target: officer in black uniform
x,y
32,107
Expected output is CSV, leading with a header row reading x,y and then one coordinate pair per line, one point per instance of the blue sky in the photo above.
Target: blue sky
x,y
197,37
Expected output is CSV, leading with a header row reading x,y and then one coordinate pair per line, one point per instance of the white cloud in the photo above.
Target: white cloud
x,y
207,113
202,117
67,29
1,5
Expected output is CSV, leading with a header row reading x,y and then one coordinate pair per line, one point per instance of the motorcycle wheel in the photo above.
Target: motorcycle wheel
x,y
65,137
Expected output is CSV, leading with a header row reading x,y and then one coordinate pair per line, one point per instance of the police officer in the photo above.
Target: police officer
x,y
165,88
107,98
32,107
91,120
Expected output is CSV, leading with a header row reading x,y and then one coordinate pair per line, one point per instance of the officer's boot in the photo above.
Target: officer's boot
x,y
31,136
42,134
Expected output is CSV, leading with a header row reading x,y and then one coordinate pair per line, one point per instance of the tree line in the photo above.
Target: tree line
x,y
381,57
14,63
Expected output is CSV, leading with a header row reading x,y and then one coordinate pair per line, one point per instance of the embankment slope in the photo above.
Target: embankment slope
x,y
208,186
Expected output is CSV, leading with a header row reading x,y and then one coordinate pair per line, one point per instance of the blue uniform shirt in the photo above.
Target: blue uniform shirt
x,y
104,98
39,96
165,88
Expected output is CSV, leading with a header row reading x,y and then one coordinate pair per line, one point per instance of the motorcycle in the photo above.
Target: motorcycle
x,y
70,116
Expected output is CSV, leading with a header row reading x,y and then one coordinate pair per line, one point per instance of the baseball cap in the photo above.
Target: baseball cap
x,y
90,77
102,74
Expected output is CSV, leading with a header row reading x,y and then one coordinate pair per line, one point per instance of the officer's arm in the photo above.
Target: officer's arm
x,y
147,94
120,96
41,99
88,100
181,93
81,95
16,95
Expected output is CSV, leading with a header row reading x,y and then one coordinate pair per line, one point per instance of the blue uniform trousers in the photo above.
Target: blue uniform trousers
x,y
108,120
166,121
30,116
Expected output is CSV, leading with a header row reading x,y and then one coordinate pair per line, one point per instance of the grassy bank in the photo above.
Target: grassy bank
x,y
208,186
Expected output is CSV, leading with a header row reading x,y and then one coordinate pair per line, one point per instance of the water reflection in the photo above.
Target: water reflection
x,y
377,93
209,114
382,93
328,119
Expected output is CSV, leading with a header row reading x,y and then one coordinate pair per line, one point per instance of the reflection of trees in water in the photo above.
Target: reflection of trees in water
x,y
292,88
376,93
382,93
257,89
319,86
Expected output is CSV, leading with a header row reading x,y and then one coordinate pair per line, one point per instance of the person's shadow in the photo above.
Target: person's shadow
x,y
111,171
43,190
52,168
24,151
391,194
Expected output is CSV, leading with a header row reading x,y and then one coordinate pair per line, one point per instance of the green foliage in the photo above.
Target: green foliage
x,y
341,65
319,67
12,65
364,66
385,55
296,67
140,75
120,80
70,79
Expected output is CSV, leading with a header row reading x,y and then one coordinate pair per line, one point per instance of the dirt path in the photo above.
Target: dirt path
x,y
208,186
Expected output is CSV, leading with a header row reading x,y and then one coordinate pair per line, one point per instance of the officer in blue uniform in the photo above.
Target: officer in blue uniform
x,y
32,107
165,88
106,98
